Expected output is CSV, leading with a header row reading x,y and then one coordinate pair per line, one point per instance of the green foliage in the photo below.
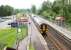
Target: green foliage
x,y
57,8
31,47
6,10
33,9
8,36
2,44
45,9
16,11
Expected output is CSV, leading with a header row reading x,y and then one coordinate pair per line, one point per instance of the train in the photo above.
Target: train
x,y
41,26
43,29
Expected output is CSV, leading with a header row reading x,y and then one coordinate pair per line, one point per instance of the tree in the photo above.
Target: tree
x,y
6,10
46,9
33,9
9,10
57,8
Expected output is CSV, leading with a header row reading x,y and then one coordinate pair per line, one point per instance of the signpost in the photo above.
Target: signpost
x,y
22,19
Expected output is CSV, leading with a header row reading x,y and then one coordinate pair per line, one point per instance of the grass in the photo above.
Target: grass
x,y
23,31
8,36
31,47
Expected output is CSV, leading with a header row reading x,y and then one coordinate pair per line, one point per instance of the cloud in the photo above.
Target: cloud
x,y
22,3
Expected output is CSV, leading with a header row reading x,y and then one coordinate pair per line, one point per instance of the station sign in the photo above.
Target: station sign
x,y
23,19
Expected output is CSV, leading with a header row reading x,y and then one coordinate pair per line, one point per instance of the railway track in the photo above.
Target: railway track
x,y
62,41
55,40
49,42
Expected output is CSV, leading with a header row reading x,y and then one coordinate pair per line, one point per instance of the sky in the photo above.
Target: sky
x,y
20,4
